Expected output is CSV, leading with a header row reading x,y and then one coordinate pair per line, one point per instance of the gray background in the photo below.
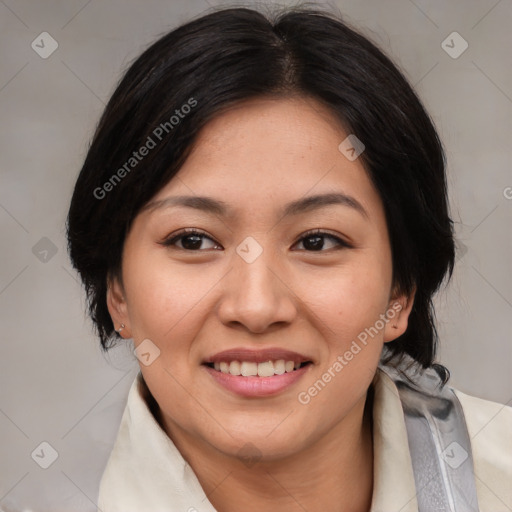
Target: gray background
x,y
55,384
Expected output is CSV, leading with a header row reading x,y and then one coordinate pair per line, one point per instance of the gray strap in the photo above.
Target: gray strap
x,y
439,442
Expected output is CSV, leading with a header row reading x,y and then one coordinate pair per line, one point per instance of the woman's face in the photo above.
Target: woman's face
x,y
253,286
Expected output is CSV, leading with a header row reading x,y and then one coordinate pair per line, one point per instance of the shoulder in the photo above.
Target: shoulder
x,y
489,426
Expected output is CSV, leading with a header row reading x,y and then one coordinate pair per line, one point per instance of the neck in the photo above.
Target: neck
x,y
335,473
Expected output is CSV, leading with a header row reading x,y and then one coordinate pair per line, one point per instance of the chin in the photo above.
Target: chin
x,y
262,445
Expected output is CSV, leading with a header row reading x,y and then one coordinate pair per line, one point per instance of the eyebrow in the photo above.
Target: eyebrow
x,y
221,208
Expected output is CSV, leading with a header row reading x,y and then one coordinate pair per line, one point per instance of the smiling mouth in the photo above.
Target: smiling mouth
x,y
253,369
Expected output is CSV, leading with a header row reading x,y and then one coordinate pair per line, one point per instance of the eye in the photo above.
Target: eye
x,y
191,239
313,240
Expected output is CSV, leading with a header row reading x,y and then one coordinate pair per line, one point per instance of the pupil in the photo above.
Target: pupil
x,y
317,244
195,244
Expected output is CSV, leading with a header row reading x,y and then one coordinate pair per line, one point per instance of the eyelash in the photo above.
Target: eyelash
x,y
170,241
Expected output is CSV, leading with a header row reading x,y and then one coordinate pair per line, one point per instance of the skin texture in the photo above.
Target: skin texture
x,y
256,158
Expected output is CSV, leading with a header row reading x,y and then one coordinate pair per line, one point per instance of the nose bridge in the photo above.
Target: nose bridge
x,y
254,268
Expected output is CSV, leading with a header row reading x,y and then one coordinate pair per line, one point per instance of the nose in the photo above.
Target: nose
x,y
256,295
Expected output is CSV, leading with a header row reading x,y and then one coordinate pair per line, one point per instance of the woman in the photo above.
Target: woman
x,y
263,210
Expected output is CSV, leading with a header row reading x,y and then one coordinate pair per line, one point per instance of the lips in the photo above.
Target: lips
x,y
257,373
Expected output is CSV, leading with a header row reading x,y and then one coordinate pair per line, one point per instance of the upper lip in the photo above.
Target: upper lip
x,y
256,356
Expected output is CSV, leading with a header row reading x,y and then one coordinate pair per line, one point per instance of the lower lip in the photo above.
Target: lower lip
x,y
257,386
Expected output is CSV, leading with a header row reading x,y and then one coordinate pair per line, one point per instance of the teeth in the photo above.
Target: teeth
x,y
279,368
248,369
234,368
266,369
251,369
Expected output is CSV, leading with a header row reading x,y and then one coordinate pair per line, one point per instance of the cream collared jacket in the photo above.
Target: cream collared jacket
x,y
146,472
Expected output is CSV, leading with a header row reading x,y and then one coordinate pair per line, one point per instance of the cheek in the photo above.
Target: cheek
x,y
351,298
348,312
161,294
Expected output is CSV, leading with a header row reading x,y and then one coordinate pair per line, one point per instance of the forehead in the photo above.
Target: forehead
x,y
271,150
266,128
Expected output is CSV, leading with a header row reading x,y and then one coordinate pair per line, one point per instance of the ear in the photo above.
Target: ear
x,y
398,312
117,307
